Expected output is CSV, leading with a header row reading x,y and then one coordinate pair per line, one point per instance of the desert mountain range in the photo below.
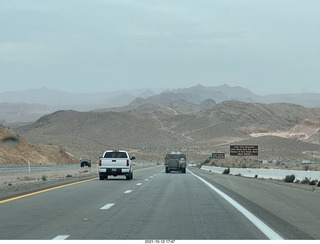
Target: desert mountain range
x,y
282,131
29,105
191,120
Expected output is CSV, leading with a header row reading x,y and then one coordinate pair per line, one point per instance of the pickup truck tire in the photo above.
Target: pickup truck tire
x,y
129,176
103,176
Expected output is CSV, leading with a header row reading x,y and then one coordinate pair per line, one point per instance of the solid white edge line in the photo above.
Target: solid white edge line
x,y
272,235
107,206
61,237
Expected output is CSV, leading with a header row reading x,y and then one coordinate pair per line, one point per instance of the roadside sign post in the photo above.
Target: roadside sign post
x,y
218,155
243,150
29,167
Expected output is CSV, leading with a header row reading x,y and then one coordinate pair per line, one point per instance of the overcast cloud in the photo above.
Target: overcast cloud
x,y
267,46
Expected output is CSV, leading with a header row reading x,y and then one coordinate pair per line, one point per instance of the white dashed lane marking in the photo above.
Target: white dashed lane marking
x,y
107,206
61,237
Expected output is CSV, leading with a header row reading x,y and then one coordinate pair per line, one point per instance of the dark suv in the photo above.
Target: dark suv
x,y
85,162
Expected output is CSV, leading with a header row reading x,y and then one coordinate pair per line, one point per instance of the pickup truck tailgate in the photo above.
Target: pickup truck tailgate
x,y
119,162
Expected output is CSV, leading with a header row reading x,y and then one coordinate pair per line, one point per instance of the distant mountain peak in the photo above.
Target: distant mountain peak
x,y
138,102
147,93
224,86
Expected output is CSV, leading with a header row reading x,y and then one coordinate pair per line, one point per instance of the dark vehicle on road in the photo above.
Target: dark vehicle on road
x,y
85,162
175,161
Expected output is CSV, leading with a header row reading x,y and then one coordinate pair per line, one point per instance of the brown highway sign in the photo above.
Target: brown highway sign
x,y
218,155
243,150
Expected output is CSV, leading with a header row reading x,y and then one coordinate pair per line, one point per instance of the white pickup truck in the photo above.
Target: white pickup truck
x,y
116,162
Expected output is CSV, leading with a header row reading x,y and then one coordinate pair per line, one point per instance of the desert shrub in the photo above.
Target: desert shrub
x,y
305,181
226,171
312,182
44,177
290,178
318,184
68,175
206,161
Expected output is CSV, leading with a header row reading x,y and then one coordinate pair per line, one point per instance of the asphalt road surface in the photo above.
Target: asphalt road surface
x,y
152,206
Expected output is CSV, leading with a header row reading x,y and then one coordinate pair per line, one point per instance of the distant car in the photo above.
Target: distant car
x,y
85,162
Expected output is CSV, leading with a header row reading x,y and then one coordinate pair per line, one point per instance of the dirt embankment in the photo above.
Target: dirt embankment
x,y
15,150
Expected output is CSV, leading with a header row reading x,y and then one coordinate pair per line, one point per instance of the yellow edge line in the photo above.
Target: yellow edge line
x,y
49,189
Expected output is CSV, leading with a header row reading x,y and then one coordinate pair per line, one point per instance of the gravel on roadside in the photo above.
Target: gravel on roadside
x,y
16,183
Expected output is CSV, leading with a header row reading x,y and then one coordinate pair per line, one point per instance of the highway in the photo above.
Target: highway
x,y
152,206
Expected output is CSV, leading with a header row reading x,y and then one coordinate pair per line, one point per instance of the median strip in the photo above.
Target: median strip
x,y
42,191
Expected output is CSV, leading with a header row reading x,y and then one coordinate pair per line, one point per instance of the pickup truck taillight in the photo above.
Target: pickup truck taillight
x,y
127,162
100,162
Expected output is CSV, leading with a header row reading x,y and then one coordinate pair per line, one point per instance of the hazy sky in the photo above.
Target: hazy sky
x,y
267,46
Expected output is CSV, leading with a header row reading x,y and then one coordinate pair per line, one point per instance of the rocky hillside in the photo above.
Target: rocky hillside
x,y
150,130
308,131
91,133
14,149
